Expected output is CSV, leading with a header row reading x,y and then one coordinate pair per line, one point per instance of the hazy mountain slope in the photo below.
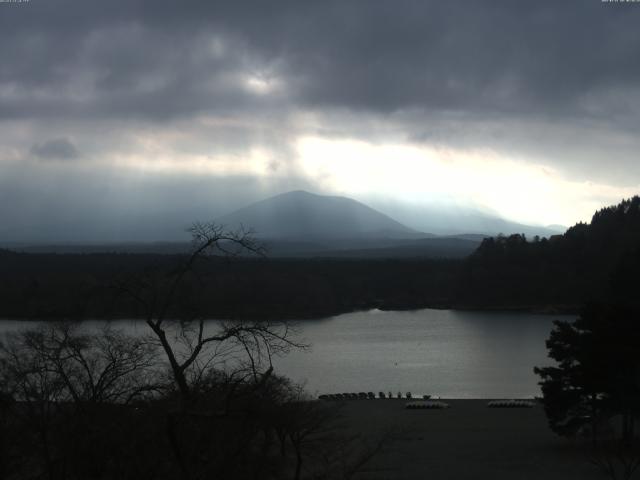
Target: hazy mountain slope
x,y
454,220
303,215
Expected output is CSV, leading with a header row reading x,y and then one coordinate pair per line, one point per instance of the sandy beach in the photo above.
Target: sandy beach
x,y
466,441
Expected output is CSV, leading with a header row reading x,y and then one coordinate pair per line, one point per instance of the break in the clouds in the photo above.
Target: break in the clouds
x,y
531,109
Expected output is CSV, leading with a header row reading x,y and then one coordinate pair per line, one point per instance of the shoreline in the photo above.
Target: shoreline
x,y
536,310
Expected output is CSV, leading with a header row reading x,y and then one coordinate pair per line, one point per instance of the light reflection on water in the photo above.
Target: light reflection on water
x,y
447,353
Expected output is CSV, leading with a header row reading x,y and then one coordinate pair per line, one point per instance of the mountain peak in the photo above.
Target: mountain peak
x,y
304,194
299,214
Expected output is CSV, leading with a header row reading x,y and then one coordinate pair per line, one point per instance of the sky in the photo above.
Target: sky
x,y
129,119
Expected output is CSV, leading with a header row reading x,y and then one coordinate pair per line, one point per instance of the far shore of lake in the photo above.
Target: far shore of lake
x,y
532,309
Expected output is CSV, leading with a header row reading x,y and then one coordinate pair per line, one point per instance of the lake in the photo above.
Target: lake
x,y
445,353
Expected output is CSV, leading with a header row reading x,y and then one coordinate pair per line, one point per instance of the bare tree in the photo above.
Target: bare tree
x,y
59,379
247,346
60,363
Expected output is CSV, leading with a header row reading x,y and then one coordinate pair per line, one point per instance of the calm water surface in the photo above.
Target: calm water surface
x,y
441,352
445,353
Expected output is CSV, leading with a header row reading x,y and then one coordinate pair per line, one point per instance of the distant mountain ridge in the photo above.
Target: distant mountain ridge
x,y
306,216
456,220
306,225
301,215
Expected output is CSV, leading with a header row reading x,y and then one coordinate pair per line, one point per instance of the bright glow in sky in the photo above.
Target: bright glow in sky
x,y
517,190
261,85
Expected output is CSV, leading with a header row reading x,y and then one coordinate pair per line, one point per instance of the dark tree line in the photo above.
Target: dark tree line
x,y
595,261
35,286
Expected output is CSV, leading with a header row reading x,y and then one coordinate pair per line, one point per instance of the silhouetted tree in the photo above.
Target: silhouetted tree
x,y
597,375
171,303
198,351
58,362
56,380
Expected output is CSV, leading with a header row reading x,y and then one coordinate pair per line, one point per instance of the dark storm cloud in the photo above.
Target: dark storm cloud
x,y
135,81
159,59
55,149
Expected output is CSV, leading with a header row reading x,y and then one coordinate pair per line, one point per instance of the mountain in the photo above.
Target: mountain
x,y
301,215
557,228
455,220
303,224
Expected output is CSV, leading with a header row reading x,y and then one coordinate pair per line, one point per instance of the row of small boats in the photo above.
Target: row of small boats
x,y
511,404
431,404
367,396
426,405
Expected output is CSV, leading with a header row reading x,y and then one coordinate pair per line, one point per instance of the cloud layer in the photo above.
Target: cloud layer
x,y
140,87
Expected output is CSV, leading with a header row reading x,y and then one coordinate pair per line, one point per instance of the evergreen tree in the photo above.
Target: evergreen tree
x,y
597,375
